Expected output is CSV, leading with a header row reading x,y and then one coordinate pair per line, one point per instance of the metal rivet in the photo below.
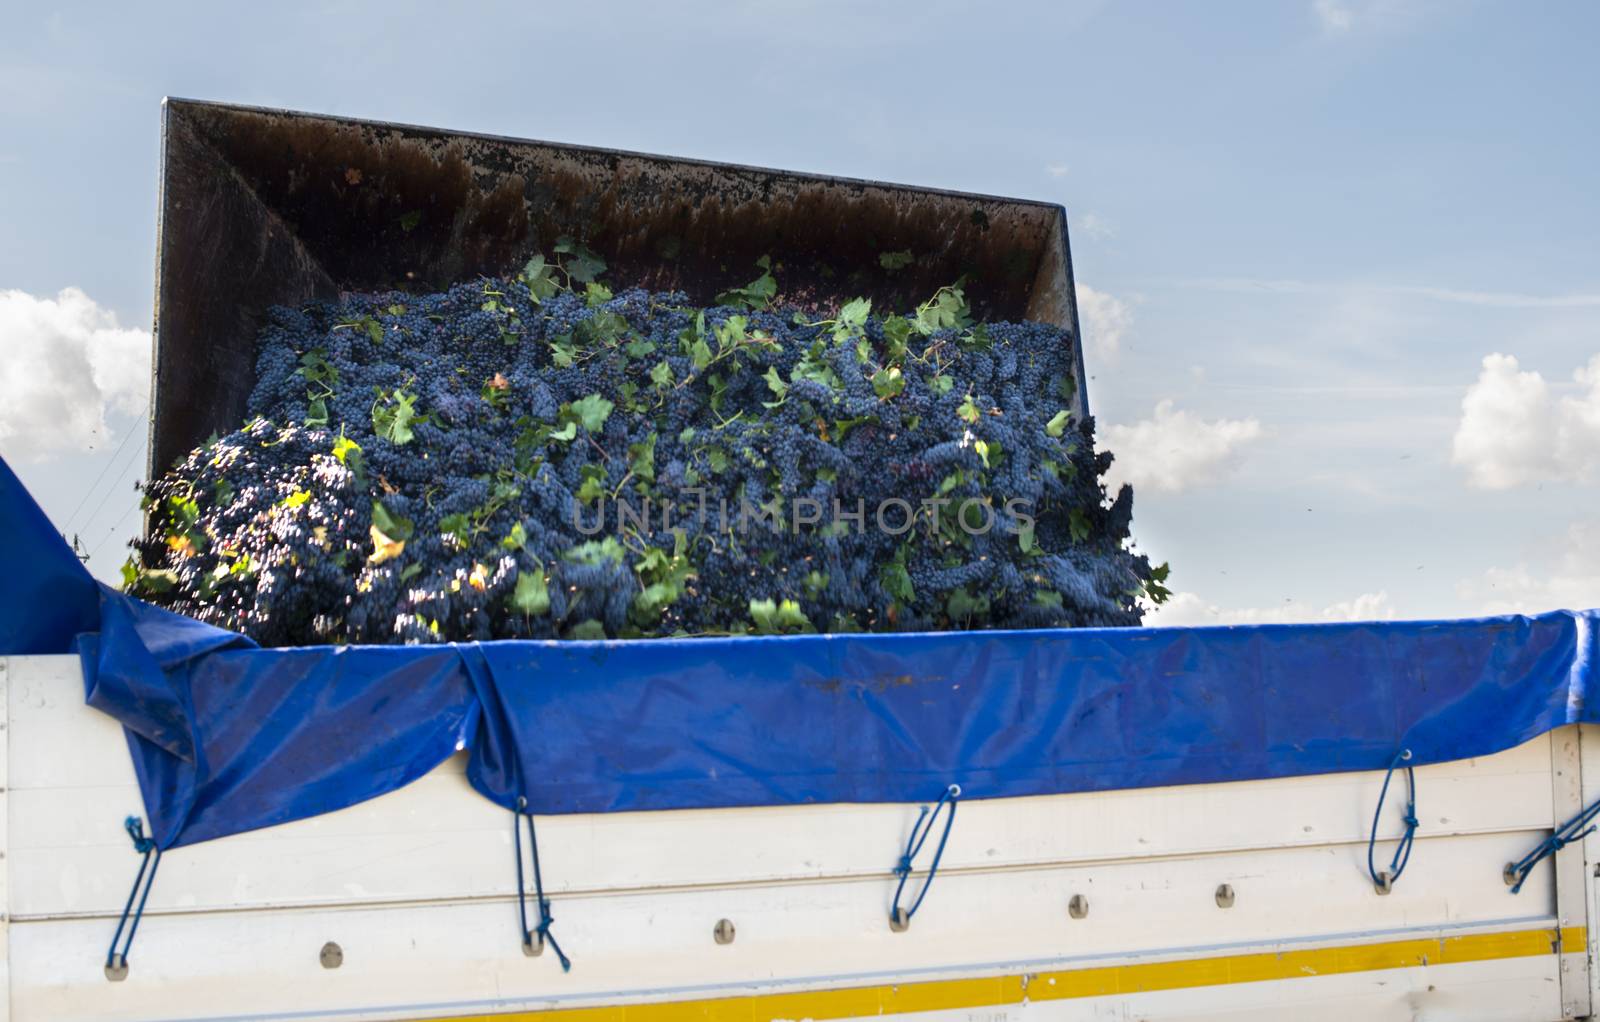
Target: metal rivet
x,y
1385,882
1224,895
332,955
533,947
899,920
723,933
1078,907
1509,874
117,969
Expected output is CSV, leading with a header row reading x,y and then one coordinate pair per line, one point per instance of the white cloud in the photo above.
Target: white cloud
x,y
1514,431
1096,227
1186,609
1334,16
1104,320
67,363
1571,582
1174,450
1057,169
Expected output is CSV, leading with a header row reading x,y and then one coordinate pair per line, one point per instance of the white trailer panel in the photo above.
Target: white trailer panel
x,y
417,889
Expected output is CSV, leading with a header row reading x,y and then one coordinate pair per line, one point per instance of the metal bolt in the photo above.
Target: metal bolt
x,y
1224,895
332,955
723,932
1509,874
1078,907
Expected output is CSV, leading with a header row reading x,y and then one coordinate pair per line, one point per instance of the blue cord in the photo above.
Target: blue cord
x,y
118,961
919,834
1517,873
1402,852
545,918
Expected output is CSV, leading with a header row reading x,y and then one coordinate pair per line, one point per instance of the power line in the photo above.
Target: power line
x,y
67,525
120,476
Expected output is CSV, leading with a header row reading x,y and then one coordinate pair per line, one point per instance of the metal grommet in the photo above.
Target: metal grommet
x,y
723,932
117,969
899,920
1224,895
332,955
1385,882
533,947
1509,874
1078,906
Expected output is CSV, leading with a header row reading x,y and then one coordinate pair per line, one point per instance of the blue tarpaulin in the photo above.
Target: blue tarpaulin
x,y
227,737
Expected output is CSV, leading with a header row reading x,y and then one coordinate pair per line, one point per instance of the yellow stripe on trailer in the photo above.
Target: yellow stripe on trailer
x,y
1096,981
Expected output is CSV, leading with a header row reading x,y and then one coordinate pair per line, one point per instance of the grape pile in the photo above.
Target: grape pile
x,y
537,457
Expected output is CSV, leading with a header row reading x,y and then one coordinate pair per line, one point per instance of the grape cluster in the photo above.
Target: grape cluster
x,y
534,456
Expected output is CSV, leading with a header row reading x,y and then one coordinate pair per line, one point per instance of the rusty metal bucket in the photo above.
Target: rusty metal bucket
x,y
266,207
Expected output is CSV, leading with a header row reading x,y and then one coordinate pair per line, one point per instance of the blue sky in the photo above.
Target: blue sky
x,y
1303,227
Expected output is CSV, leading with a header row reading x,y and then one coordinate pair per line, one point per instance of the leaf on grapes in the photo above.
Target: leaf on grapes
x,y
639,347
1025,538
1078,525
888,383
642,458
661,375
593,486
941,384
581,264
478,578
516,539
893,261
896,334
374,330
384,548
158,580
597,551
592,411
969,411
180,544
457,526
563,352
540,279
1058,423
982,448
393,415
896,581
772,617
317,412
1047,598
815,583
532,594
410,572
567,432
963,606
700,353
392,525
344,449
409,221
1155,586
775,384
946,310
757,294
590,631
596,295
295,499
